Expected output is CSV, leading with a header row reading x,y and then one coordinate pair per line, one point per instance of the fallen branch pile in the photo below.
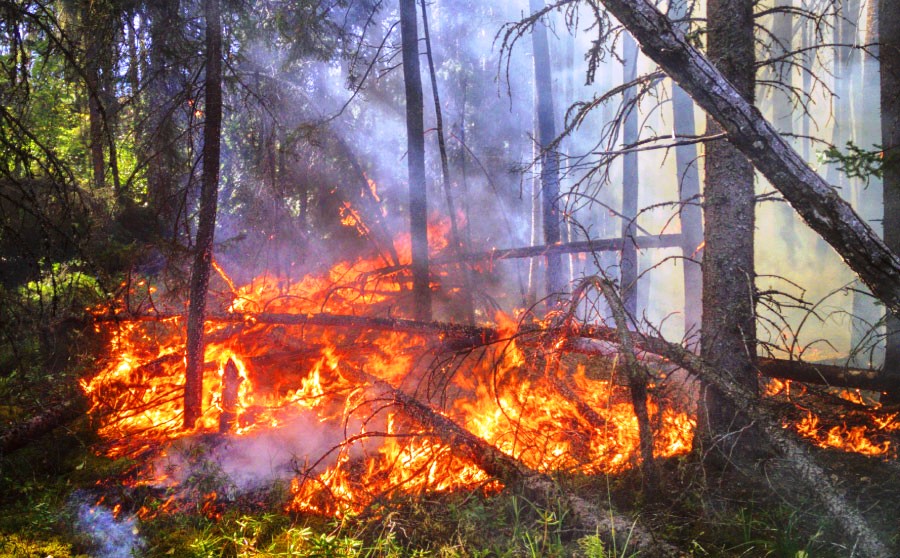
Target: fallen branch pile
x,y
578,338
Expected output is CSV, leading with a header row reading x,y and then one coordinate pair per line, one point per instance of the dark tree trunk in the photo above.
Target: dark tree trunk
x,y
686,162
817,202
889,50
549,157
92,37
415,157
212,132
628,263
468,304
161,151
728,340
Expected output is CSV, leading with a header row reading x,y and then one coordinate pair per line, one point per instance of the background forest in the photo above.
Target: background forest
x,y
366,278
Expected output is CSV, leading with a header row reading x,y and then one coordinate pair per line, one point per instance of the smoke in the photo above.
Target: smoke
x,y
233,466
106,535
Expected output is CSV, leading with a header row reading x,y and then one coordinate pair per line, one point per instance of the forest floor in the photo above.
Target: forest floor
x,y
49,492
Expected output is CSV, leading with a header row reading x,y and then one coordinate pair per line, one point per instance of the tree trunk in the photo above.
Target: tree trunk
x,y
868,316
212,132
688,177
889,50
468,304
817,202
728,339
161,151
91,29
415,157
549,157
628,262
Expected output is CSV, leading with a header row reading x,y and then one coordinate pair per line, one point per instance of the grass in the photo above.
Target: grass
x,y
41,484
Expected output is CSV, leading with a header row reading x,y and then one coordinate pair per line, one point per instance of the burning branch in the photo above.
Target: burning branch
x,y
511,472
578,338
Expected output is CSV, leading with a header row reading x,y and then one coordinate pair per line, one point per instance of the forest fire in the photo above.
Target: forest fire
x,y
263,375
505,394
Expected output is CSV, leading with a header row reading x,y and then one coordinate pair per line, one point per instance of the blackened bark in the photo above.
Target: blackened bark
x,y
889,50
728,338
415,157
212,133
817,202
549,158
628,262
686,164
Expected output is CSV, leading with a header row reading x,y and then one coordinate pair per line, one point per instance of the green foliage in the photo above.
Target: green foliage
x,y
856,162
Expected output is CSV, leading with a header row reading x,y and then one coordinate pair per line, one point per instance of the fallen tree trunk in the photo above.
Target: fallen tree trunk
x,y
830,375
581,339
814,199
580,247
623,532
28,431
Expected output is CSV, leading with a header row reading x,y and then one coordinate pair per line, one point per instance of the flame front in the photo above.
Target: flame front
x,y
505,394
502,393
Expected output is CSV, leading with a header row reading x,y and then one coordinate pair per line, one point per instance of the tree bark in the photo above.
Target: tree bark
x,y
817,202
549,158
797,456
628,261
889,50
161,152
212,133
28,431
415,157
728,337
782,108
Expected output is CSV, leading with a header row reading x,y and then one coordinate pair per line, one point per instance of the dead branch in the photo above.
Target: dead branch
x,y
582,246
815,200
637,378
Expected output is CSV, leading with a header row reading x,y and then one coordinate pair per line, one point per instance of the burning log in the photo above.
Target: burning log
x,y
834,376
464,444
26,432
